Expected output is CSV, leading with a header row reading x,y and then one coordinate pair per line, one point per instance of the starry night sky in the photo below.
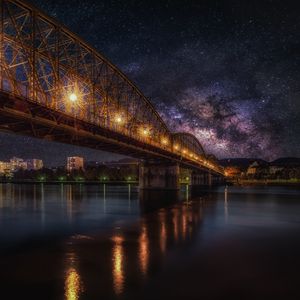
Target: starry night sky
x,y
226,71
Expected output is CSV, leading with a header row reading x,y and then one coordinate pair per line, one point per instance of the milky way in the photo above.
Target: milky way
x,y
226,71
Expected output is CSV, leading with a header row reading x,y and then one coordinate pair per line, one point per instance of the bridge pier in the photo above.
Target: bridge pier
x,y
201,179
196,178
159,176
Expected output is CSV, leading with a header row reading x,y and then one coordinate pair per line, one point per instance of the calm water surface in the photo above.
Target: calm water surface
x,y
108,242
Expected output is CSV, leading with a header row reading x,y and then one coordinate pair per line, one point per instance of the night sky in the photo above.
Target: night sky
x,y
226,71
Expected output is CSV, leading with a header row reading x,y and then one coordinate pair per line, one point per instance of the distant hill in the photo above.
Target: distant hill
x,y
242,163
286,161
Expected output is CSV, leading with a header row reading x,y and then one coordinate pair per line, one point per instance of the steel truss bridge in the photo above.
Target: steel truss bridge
x,y
54,86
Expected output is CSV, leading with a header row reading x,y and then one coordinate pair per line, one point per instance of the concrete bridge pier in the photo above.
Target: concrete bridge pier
x,y
217,180
159,176
201,179
200,182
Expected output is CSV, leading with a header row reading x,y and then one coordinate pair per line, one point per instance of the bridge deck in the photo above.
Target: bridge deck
x,y
24,117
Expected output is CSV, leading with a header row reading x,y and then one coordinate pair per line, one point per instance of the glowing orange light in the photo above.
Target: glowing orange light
x,y
144,250
164,141
145,131
119,119
72,285
118,258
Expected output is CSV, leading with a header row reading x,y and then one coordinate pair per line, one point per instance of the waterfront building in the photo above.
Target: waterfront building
x,y
17,163
232,171
5,168
253,168
34,164
74,163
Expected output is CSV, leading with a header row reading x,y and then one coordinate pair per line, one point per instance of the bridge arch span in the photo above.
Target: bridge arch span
x,y
46,63
54,85
183,141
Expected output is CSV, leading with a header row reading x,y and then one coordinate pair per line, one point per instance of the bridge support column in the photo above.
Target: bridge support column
x,y
202,179
159,176
210,179
197,178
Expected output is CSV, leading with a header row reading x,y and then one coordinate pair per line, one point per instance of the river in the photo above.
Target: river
x,y
110,242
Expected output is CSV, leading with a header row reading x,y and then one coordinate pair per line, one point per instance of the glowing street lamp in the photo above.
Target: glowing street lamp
x,y
176,147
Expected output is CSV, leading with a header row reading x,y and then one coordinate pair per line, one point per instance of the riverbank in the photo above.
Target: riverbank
x,y
70,182
278,182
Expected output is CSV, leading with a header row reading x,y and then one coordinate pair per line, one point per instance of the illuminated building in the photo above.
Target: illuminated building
x,y
17,164
74,163
34,164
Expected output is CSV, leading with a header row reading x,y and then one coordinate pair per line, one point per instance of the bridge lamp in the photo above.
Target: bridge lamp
x,y
176,147
119,119
145,132
73,97
164,141
184,151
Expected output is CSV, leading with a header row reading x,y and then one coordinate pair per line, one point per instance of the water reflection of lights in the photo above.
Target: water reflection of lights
x,y
43,210
69,195
175,224
73,285
144,250
129,197
104,198
118,260
163,231
226,204
1,195
184,222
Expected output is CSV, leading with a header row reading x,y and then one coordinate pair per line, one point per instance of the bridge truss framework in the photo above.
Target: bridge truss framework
x,y
53,85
